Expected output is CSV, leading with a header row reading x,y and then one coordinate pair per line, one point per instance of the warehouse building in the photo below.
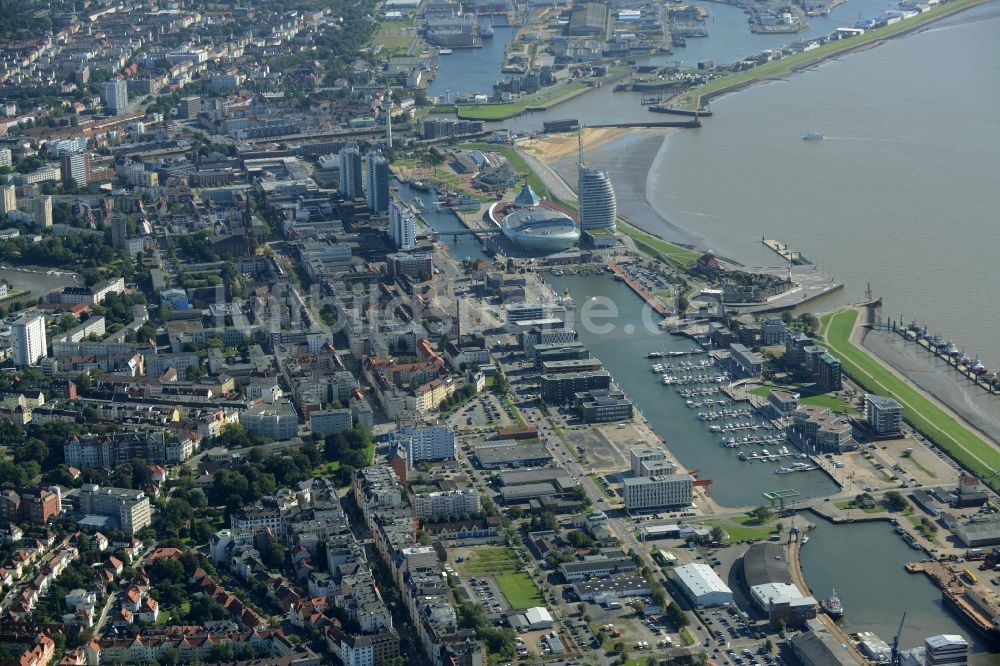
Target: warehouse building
x,y
512,455
702,585
600,567
614,587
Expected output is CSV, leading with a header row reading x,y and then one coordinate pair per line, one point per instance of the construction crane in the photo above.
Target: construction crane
x,y
895,641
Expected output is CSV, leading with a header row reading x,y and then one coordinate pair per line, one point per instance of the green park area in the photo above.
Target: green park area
x,y
517,162
967,447
787,65
502,564
806,397
489,561
543,98
520,590
395,37
654,246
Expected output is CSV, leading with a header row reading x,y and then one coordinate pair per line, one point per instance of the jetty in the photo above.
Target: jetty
x,y
652,300
792,256
963,594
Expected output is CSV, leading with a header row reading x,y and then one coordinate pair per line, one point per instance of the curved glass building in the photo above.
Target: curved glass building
x,y
540,229
598,207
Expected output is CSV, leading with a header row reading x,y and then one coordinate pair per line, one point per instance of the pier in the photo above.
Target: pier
x,y
971,604
792,256
650,299
968,367
697,113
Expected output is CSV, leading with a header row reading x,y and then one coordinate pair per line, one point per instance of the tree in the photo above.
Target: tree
x,y
761,514
895,501
273,554
165,569
223,652
578,539
718,534
676,616
176,515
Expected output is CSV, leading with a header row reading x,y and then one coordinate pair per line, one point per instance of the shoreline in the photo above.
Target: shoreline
x,y
778,69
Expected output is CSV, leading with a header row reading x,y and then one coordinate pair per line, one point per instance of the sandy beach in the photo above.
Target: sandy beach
x,y
551,148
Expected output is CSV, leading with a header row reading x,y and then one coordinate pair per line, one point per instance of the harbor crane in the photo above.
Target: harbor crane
x,y
895,641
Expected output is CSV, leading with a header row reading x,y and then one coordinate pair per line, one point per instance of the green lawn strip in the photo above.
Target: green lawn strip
x,y
966,447
739,532
676,253
520,590
569,445
806,397
600,485
542,98
490,560
515,411
786,65
686,636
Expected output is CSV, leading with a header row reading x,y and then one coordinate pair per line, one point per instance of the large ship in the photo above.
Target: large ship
x,y
832,606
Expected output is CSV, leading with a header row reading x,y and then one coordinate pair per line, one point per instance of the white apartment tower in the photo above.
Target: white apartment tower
x,y
402,227
28,340
377,185
8,199
116,97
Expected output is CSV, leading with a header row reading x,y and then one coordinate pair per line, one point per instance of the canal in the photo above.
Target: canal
x,y
619,328
459,247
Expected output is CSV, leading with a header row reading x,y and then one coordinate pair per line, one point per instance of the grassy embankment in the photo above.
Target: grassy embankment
x,y
544,98
697,97
967,447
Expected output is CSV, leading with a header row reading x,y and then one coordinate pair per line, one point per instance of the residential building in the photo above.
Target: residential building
x,y
883,415
130,507
773,331
76,169
402,227
330,421
8,199
653,492
429,443
829,373
350,172
428,506
276,421
116,97
28,340
377,183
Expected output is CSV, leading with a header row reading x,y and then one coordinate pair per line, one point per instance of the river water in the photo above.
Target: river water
x,y
901,193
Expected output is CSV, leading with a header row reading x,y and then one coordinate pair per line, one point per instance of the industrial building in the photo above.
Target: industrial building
x,y
532,619
614,587
597,567
512,455
702,585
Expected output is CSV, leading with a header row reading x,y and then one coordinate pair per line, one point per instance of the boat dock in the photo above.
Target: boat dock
x,y
792,256
968,367
971,602
650,299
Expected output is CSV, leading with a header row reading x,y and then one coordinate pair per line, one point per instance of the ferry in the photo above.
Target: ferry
x,y
832,606
813,136
445,51
656,354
